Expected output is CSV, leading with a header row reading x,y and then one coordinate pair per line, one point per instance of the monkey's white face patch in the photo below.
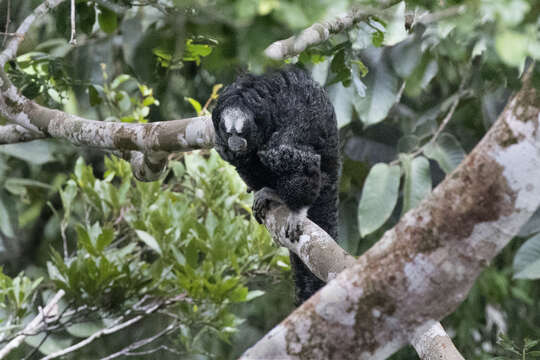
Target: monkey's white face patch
x,y
234,118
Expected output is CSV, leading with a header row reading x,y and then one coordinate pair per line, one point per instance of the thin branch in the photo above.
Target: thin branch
x,y
316,33
136,345
94,336
73,40
34,325
8,21
435,344
117,326
10,134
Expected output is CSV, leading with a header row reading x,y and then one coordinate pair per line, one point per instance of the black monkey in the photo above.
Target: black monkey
x,y
279,130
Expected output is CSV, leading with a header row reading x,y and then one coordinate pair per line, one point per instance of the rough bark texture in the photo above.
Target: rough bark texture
x,y
423,268
321,254
10,134
435,344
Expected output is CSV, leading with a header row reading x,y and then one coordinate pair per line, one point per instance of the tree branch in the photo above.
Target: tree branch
x,y
10,134
435,344
35,325
423,268
316,34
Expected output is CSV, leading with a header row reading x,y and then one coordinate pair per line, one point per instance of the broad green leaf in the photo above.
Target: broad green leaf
x,y
149,240
527,259
395,28
446,151
108,20
379,197
382,89
512,47
342,98
5,221
52,343
36,152
532,226
85,329
417,183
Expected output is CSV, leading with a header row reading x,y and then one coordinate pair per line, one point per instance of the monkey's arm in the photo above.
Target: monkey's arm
x,y
297,171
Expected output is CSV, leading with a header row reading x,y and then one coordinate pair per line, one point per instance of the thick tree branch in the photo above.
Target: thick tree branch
x,y
423,268
145,145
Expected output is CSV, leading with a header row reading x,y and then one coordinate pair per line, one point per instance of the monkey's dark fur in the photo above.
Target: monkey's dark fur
x,y
279,130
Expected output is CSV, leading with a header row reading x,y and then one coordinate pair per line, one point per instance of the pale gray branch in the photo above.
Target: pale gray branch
x,y
316,34
94,336
10,134
321,254
35,325
434,343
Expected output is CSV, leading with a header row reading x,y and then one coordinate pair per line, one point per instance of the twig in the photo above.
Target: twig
x,y
73,40
434,343
94,336
136,345
10,134
117,326
8,21
33,325
458,96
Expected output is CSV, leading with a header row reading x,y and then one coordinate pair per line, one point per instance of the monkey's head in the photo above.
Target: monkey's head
x,y
236,127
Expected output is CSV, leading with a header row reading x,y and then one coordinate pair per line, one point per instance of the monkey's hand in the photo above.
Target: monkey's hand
x,y
261,204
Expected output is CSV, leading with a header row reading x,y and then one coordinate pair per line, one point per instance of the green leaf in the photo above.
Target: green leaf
x,y
93,94
5,224
119,80
36,152
254,294
379,197
417,181
52,343
107,19
527,259
149,240
85,329
395,29
342,98
196,105
446,151
194,52
512,47
382,89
